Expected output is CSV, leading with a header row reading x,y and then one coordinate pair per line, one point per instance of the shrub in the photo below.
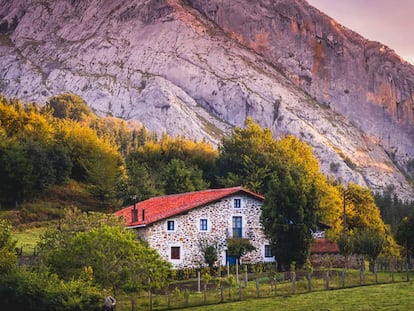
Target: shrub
x,y
25,290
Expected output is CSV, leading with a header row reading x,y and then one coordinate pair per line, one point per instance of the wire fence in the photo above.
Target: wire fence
x,y
264,284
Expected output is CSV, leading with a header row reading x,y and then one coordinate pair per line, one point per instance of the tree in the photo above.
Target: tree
x,y
101,244
179,177
68,106
364,222
287,172
346,245
405,234
393,209
95,161
369,243
289,215
361,211
209,251
8,258
26,146
173,165
141,182
243,155
15,172
238,247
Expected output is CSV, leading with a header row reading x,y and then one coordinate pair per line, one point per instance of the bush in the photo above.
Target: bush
x,y
25,290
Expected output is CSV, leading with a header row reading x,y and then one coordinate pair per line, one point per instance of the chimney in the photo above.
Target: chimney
x,y
134,211
143,214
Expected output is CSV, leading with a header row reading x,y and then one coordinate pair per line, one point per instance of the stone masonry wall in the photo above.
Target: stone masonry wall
x,y
219,215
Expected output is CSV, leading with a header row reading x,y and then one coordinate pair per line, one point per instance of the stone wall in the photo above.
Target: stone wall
x,y
187,234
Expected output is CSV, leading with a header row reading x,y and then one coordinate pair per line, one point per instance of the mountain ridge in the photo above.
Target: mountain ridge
x,y
198,68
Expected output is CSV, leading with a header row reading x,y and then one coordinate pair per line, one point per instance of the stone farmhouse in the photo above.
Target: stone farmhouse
x,y
175,224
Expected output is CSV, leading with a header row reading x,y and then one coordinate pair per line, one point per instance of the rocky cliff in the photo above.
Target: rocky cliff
x,y
199,67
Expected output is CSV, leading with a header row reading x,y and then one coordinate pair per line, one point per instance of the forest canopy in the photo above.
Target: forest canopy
x,y
64,152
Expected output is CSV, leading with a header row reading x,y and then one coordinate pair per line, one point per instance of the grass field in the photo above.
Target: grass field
x,y
397,296
28,238
389,296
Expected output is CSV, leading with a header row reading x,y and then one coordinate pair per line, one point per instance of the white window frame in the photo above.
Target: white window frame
x,y
234,203
243,221
175,225
208,224
175,261
267,259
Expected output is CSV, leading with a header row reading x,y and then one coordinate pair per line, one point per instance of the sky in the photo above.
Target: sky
x,y
390,22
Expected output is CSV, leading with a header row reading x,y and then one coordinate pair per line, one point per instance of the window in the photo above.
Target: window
x,y
170,225
175,252
237,203
237,226
203,225
268,251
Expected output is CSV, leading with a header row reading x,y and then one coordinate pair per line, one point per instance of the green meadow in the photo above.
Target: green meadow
x,y
396,296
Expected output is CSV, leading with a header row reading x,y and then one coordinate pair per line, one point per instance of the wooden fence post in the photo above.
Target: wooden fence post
x,y
240,291
221,294
309,278
293,278
275,279
132,303
327,279
343,278
198,282
149,294
186,296
257,287
205,294
150,299
246,279
407,271
237,270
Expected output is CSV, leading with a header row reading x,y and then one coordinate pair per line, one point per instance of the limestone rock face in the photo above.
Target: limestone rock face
x,y
199,67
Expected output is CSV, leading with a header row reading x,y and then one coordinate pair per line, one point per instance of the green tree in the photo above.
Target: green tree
x,y
246,157
346,245
287,172
101,243
405,234
289,215
179,177
42,291
393,209
8,258
15,172
369,243
173,164
238,247
68,106
141,182
209,251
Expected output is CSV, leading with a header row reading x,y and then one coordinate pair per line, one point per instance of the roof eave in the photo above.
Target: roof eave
x,y
136,226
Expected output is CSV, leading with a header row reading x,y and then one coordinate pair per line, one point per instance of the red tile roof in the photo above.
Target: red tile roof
x,y
324,246
163,207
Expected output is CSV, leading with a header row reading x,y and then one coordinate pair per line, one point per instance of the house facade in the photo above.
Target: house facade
x,y
175,225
